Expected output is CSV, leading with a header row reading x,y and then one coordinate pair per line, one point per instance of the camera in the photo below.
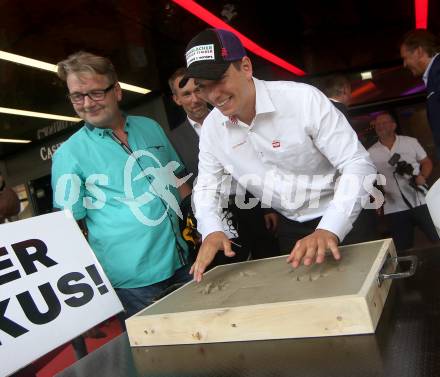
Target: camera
x,y
403,168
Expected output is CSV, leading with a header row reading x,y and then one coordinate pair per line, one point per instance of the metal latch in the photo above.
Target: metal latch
x,y
391,265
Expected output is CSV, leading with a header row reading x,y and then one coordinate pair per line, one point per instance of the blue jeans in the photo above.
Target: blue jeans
x,y
136,299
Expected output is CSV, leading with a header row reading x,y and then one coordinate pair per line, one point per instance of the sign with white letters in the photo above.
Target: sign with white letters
x,y
52,288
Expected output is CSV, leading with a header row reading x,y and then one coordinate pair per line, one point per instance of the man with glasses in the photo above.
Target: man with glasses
x,y
117,173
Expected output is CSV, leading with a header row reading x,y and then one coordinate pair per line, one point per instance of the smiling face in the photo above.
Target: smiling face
x,y
234,93
189,98
103,113
384,126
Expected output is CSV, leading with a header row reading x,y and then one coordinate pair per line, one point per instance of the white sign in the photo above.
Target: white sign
x,y
52,288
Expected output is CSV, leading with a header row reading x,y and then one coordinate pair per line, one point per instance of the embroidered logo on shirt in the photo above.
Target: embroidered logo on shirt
x,y
276,144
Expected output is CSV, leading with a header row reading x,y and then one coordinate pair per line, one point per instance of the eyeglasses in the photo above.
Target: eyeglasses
x,y
95,95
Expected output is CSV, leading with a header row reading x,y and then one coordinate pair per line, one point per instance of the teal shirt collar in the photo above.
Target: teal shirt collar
x,y
106,131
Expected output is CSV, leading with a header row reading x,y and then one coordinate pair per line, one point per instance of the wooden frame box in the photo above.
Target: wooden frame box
x,y
267,299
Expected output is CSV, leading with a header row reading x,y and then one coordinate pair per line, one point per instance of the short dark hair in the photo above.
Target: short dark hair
x,y
334,85
179,72
421,38
385,112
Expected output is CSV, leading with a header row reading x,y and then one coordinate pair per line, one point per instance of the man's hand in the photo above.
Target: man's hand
x,y
211,244
313,247
420,180
271,221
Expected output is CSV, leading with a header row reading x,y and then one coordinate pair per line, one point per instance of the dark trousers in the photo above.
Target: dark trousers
x,y
403,223
136,299
254,237
290,231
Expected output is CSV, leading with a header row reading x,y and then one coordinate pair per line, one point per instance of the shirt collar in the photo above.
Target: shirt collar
x,y
106,131
334,99
426,74
194,123
263,102
396,141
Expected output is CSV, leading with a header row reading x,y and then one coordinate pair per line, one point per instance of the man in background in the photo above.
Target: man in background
x,y
338,89
406,167
420,54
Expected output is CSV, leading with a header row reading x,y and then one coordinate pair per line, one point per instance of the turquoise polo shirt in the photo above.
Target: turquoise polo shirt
x,y
128,200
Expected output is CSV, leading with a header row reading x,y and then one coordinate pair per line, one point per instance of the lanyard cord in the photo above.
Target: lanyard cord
x,y
129,151
401,193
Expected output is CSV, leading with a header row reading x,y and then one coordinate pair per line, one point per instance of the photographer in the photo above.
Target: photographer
x,y
406,167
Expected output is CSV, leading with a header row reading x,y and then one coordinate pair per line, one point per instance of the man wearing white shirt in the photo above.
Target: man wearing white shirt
x,y
254,228
405,205
284,141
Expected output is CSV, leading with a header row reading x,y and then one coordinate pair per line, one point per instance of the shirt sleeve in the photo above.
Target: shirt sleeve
x,y
334,137
68,183
420,152
206,192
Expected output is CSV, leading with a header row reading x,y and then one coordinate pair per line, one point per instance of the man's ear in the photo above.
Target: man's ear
x,y
421,52
246,66
118,91
176,100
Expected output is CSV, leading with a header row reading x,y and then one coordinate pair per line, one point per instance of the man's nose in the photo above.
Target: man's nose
x,y
88,102
194,97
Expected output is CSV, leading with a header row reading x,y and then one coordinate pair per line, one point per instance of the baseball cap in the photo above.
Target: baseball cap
x,y
209,54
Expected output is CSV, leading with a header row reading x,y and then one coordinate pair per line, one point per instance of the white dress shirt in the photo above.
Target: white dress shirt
x,y
428,68
410,151
197,127
287,157
228,188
